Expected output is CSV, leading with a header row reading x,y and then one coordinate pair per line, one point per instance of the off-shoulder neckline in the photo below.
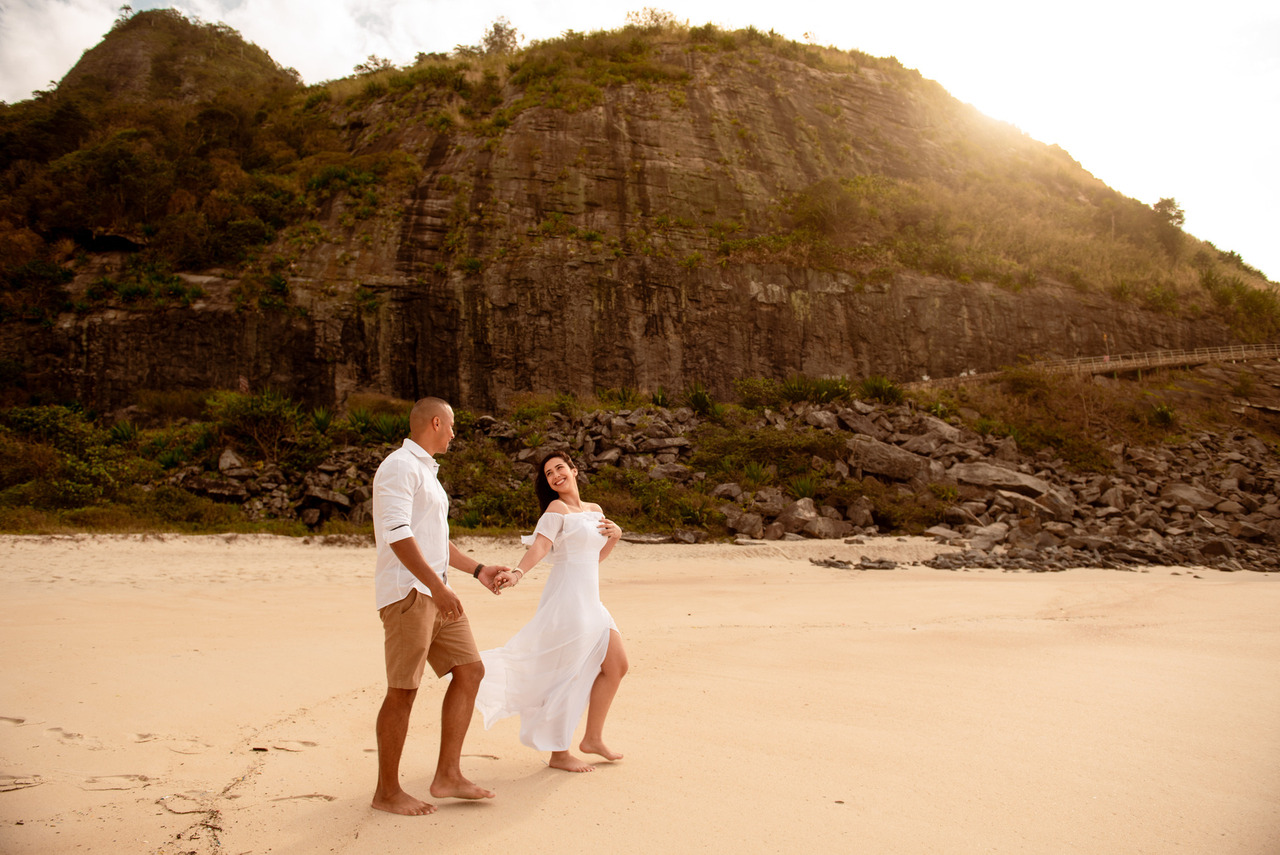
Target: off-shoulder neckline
x,y
573,513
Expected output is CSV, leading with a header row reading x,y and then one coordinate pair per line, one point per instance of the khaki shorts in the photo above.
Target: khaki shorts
x,y
415,634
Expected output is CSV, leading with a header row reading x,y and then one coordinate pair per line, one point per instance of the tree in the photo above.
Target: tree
x,y
501,39
374,64
1170,218
1170,212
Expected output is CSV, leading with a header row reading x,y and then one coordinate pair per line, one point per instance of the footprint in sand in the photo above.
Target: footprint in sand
x,y
115,782
189,746
178,746
79,739
293,745
16,722
9,783
307,797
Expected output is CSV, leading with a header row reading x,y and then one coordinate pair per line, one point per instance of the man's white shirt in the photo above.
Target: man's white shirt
x,y
408,501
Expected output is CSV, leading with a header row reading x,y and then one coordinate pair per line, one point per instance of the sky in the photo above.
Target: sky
x,y
1157,99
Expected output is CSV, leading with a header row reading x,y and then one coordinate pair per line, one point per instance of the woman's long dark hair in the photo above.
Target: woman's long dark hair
x,y
541,487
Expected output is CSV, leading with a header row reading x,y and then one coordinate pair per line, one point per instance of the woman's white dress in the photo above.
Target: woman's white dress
x,y
545,672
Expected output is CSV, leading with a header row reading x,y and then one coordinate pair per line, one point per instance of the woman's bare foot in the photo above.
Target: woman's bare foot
x,y
600,748
458,788
566,761
402,803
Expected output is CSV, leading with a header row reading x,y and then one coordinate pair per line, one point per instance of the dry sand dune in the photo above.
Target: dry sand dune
x,y
217,694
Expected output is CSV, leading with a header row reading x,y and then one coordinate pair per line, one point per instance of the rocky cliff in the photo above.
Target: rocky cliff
x,y
710,214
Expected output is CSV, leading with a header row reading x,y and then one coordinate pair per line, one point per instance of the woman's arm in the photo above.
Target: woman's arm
x,y
609,529
538,549
535,553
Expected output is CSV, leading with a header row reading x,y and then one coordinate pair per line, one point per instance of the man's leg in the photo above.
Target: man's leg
x,y
455,718
393,727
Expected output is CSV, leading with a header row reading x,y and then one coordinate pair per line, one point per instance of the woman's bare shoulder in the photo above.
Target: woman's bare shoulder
x,y
557,507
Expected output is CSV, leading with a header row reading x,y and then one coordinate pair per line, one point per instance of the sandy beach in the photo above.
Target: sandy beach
x,y
217,694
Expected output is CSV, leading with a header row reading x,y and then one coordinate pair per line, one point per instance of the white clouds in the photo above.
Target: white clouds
x,y
40,40
1166,98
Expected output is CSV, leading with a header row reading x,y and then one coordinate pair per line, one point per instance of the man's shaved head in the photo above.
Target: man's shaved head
x,y
424,411
431,425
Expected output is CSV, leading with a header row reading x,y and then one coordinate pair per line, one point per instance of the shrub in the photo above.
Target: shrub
x,y
624,397
321,419
698,399
389,428
265,421
879,388
123,433
815,390
1162,415
803,486
754,475
758,393
731,450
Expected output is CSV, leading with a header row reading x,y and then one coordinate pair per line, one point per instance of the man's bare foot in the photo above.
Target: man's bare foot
x,y
566,761
402,803
458,787
599,748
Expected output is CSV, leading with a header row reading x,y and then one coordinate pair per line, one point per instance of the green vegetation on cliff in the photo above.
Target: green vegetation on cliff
x,y
161,465
180,140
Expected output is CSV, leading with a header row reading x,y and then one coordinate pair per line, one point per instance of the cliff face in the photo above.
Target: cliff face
x,y
588,329
571,250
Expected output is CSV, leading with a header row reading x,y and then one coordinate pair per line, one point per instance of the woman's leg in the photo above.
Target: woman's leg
x,y
612,670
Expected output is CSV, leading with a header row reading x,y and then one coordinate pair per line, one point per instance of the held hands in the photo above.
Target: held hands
x,y
508,578
491,577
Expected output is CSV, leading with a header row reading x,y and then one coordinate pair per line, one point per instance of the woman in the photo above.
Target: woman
x,y
569,657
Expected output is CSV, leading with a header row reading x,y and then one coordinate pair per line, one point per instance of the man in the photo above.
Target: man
x,y
423,620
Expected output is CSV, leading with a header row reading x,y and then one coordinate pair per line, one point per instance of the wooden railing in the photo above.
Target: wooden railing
x,y
1124,362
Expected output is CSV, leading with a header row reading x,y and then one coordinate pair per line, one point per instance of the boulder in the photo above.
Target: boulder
x,y
743,522
1025,505
770,501
229,460
331,496
934,426
220,489
661,443
988,536
798,514
827,528
942,533
822,419
860,512
727,491
880,458
671,472
990,476
607,457
1182,493
858,423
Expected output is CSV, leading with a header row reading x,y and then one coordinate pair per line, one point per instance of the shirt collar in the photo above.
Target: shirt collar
x,y
421,453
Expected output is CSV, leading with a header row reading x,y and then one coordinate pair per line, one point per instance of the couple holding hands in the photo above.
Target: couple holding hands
x,y
567,659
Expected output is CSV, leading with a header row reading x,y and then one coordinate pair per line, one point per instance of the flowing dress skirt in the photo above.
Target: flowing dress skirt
x,y
545,672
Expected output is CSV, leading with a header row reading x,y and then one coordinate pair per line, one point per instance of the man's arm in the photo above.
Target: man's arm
x,y
410,556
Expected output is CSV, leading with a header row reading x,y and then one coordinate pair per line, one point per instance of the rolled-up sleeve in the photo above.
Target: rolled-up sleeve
x,y
394,496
